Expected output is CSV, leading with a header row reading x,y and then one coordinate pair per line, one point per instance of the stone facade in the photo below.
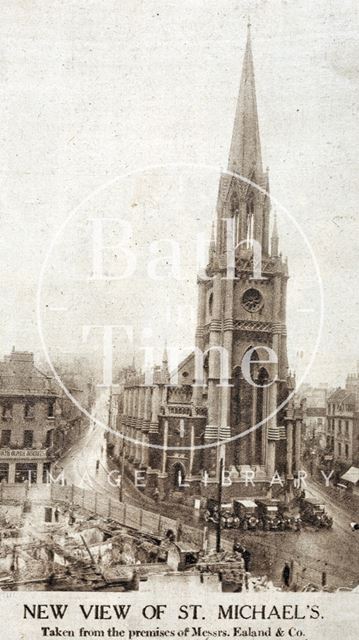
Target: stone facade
x,y
209,412
38,421
29,407
343,427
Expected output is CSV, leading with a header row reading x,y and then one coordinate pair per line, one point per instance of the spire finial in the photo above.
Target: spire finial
x,y
165,375
245,150
165,356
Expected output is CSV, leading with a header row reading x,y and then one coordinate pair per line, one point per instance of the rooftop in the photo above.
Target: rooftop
x,y
342,396
20,377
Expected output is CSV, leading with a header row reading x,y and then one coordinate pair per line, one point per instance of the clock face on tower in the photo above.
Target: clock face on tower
x,y
252,300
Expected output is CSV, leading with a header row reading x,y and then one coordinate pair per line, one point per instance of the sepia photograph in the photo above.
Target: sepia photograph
x,y
179,372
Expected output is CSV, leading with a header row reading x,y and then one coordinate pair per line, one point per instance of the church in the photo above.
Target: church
x,y
232,399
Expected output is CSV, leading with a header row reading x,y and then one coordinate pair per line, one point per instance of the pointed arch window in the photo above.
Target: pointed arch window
x,y
236,395
210,304
181,428
235,216
250,223
205,372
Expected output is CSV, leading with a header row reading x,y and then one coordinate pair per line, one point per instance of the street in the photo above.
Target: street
x,y
313,551
85,464
334,551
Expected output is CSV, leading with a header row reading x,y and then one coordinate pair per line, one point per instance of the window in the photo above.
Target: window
x,y
51,409
7,411
210,304
5,437
347,451
29,410
49,438
339,450
252,300
234,204
28,438
26,472
235,216
250,223
48,514
4,471
181,428
46,472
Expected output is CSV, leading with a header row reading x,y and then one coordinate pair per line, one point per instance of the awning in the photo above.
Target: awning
x,y
352,475
247,503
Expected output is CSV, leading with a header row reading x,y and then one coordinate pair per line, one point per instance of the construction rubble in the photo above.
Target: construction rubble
x,y
74,550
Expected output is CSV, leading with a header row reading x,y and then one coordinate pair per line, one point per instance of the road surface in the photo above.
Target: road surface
x,y
335,551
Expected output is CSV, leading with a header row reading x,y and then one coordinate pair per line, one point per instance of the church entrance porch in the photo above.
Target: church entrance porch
x,y
177,477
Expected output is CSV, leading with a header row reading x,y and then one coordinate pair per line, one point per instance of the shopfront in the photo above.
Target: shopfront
x,y
24,465
26,471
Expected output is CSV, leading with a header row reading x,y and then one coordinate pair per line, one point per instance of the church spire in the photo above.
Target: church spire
x,y
164,370
245,152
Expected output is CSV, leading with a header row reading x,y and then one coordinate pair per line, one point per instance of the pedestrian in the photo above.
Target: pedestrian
x,y
170,535
246,555
97,465
15,560
237,547
286,575
156,494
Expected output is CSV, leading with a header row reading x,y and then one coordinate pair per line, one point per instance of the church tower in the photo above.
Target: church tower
x,y
226,401
242,308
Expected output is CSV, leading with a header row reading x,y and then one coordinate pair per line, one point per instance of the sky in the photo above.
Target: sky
x,y
92,91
